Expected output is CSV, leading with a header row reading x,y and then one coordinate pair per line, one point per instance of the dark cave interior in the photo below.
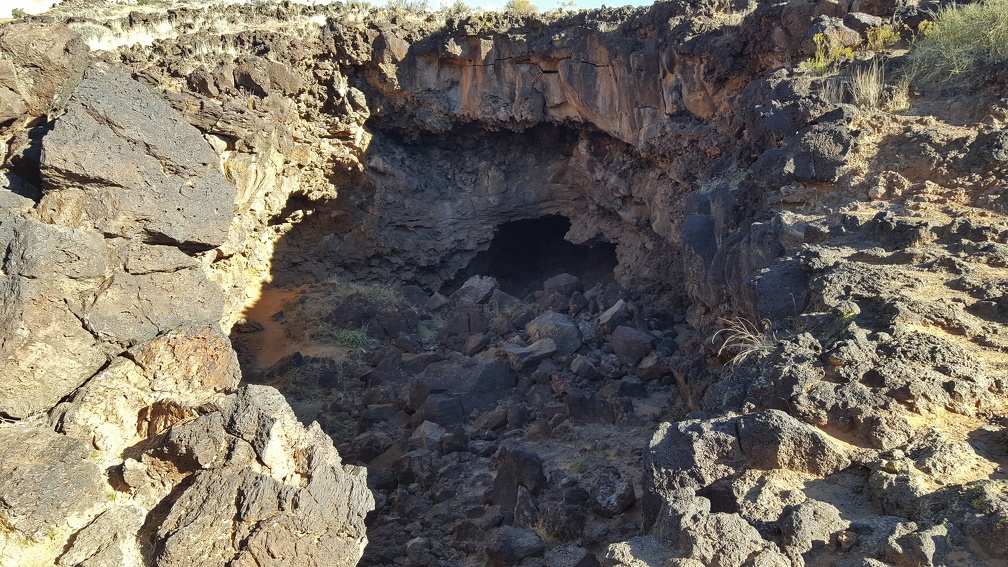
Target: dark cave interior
x,y
524,253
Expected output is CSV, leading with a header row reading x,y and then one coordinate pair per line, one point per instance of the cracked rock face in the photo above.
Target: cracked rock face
x,y
112,348
155,178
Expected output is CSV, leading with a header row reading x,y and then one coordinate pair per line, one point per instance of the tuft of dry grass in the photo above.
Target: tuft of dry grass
x,y
867,84
744,339
833,90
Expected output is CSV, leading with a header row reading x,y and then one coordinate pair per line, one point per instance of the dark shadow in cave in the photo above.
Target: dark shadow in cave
x,y
524,253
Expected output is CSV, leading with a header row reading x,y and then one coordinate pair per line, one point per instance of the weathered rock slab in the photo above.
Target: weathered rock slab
x,y
45,479
155,177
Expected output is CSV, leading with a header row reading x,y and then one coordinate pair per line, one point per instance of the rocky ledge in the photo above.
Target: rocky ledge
x,y
616,287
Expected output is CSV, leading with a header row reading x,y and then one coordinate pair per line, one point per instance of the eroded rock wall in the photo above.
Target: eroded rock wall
x,y
120,391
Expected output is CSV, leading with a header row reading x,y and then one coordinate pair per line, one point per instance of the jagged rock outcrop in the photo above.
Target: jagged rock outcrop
x,y
43,63
111,336
293,501
85,265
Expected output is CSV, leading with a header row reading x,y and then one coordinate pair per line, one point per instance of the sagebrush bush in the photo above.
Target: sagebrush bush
x,y
521,7
962,39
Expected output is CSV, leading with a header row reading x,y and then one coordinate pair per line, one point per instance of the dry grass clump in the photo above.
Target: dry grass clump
x,y
867,84
962,39
868,87
745,339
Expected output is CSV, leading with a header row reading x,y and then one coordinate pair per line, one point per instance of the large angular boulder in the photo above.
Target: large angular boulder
x,y
476,383
282,496
41,63
558,327
631,345
687,455
773,439
102,542
727,540
186,366
45,344
125,311
155,177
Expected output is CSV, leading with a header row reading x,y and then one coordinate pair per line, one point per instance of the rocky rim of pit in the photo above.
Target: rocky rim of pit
x,y
799,358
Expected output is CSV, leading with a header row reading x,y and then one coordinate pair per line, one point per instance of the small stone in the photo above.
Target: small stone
x,y
520,357
475,344
564,284
559,328
475,290
570,555
427,435
614,316
584,368
437,302
631,345
510,545
516,467
610,493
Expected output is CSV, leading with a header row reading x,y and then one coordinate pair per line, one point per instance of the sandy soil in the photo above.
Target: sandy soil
x,y
272,343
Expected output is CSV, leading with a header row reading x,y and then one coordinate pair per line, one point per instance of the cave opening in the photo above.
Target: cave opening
x,y
524,253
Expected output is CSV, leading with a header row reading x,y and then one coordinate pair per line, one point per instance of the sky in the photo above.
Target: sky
x,y
36,6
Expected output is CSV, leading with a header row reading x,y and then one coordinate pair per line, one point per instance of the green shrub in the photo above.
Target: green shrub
x,y
962,39
413,6
457,9
353,339
18,13
882,38
826,57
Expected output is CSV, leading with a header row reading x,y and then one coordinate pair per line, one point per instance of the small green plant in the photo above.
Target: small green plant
x,y
382,294
577,467
353,339
882,38
744,340
826,58
18,13
962,39
729,179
